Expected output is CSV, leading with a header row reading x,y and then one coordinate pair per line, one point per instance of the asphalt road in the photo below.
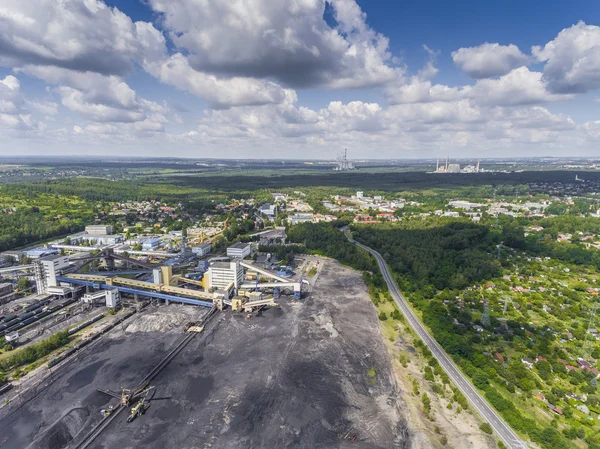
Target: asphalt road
x,y
502,430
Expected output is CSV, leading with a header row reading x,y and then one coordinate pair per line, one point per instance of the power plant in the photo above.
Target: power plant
x,y
343,164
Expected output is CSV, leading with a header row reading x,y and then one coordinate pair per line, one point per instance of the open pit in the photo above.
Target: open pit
x,y
308,374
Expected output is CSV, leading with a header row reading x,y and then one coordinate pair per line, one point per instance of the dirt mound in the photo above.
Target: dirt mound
x,y
62,432
164,320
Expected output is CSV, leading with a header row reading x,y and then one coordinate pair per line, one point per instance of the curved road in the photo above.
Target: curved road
x,y
502,429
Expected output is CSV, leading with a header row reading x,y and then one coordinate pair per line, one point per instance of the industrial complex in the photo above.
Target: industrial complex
x,y
158,329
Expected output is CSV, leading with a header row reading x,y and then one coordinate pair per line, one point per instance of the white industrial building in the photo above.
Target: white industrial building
x,y
99,229
104,239
270,210
239,250
46,269
221,274
202,249
111,297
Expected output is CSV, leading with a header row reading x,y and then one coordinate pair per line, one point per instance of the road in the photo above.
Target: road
x,y
503,430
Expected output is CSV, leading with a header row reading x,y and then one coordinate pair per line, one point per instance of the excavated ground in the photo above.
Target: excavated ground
x,y
309,374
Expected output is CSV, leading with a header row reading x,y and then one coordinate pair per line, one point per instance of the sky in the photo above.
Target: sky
x,y
302,79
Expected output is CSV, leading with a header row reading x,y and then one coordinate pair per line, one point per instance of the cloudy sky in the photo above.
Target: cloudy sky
x,y
300,78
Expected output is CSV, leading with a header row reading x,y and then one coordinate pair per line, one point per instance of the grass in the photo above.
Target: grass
x,y
312,272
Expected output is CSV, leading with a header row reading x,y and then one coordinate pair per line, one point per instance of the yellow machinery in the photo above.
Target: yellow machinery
x,y
240,303
164,288
125,397
138,409
106,412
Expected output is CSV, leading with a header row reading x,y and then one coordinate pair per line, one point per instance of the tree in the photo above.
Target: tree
x,y
23,283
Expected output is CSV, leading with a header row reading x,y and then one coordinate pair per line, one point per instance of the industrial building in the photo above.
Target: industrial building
x,y
270,210
104,239
37,253
239,250
46,269
151,244
300,218
99,229
221,274
202,249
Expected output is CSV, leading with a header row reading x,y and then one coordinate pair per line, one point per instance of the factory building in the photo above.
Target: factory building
x,y
239,250
270,210
202,249
104,239
151,244
38,253
99,229
221,274
46,269
300,218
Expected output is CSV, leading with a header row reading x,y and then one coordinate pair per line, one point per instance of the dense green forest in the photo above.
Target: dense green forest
x,y
435,254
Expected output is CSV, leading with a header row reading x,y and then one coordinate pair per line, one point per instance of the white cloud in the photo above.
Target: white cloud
x,y
489,60
287,41
572,59
70,34
519,87
14,115
100,98
219,92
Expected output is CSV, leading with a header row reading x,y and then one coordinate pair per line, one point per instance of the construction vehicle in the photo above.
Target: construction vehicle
x,y
141,406
106,412
138,409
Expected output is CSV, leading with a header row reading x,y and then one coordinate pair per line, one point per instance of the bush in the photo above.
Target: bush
x,y
485,427
382,316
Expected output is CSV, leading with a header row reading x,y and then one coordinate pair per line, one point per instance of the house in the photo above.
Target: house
x,y
538,395
595,372
527,362
583,364
555,409
570,368
478,328
499,357
575,397
539,358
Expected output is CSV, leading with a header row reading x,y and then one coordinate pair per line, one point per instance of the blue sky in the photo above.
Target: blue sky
x,y
300,78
